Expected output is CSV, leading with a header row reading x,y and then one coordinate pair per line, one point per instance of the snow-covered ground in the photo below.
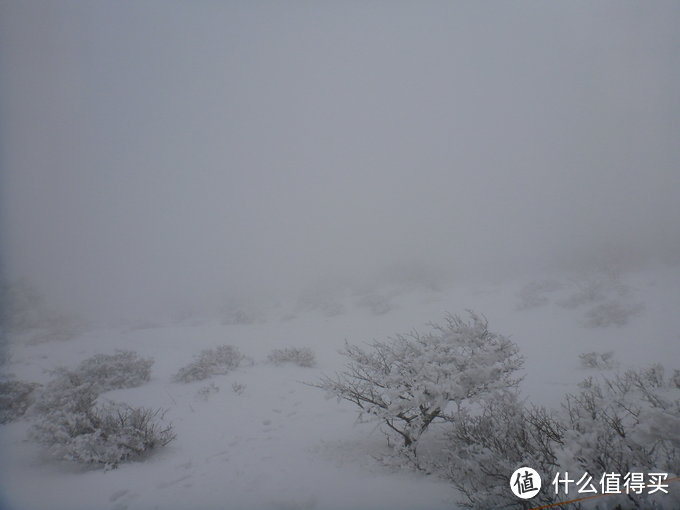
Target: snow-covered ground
x,y
282,444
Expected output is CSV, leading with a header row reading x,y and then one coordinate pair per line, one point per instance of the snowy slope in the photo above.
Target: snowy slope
x,y
281,444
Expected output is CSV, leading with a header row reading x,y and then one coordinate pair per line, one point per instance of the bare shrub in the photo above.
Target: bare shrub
x,y
598,360
15,398
410,381
210,362
611,313
302,356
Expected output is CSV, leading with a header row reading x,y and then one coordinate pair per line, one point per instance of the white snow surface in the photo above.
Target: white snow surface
x,y
281,444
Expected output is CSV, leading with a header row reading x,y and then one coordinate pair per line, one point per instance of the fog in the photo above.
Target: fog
x,y
160,153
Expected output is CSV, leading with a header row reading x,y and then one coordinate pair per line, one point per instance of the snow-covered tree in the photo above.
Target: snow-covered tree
x,y
626,423
622,424
410,381
485,447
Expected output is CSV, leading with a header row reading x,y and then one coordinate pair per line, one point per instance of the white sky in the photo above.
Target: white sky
x,y
163,148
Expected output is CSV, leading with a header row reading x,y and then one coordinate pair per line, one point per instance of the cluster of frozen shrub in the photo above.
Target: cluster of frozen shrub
x,y
458,384
301,356
220,360
124,369
377,304
239,315
611,313
74,427
15,398
606,300
598,360
325,298
71,422
626,423
225,358
536,293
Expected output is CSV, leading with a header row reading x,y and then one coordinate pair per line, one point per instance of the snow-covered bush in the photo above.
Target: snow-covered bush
x,y
241,315
611,313
377,304
15,398
598,360
217,361
67,392
238,387
73,427
204,392
106,435
325,298
533,294
410,381
73,389
484,448
595,289
331,308
302,356
122,433
124,369
621,424
629,422
588,292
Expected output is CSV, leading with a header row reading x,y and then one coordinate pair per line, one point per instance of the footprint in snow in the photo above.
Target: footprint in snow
x,y
184,465
165,485
117,495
